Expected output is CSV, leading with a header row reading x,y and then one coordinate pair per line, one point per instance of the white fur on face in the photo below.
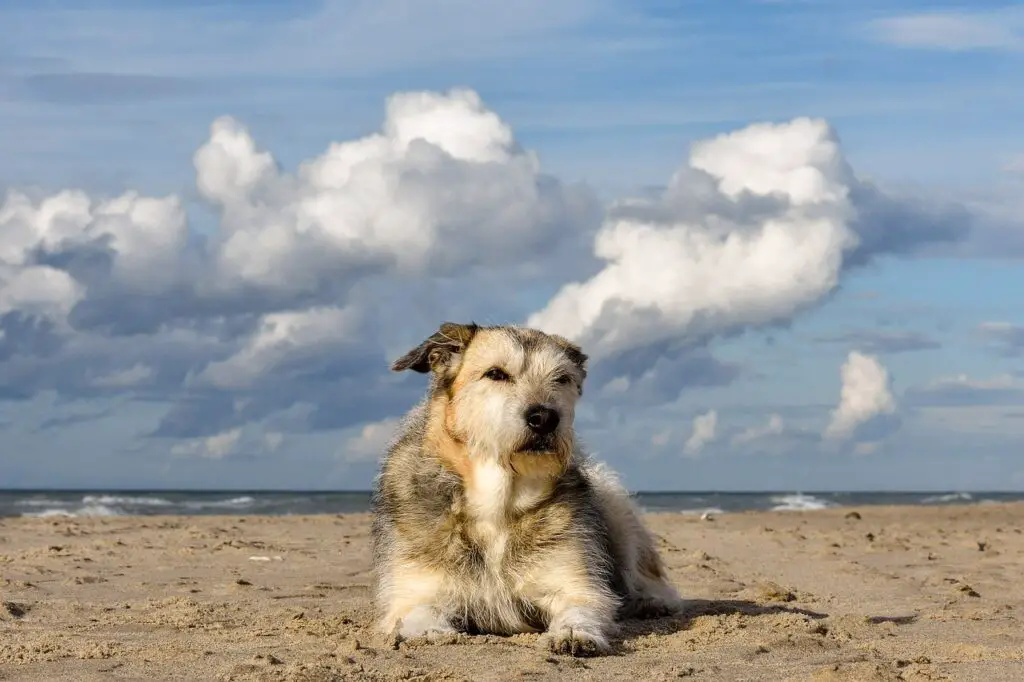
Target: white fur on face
x,y
490,415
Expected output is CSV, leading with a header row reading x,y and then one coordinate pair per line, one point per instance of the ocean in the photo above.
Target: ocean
x,y
55,503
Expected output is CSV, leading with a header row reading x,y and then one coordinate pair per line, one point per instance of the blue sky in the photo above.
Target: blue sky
x,y
926,99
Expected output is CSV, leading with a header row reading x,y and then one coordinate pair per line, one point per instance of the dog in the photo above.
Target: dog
x,y
488,515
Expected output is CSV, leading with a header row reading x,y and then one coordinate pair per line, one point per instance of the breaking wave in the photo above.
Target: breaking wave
x,y
951,497
799,502
126,501
233,503
87,510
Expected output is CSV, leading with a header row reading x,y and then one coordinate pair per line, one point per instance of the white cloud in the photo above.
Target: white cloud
x,y
250,440
280,338
866,395
1001,29
144,235
442,186
40,290
297,276
705,427
311,275
217,446
754,228
774,427
371,441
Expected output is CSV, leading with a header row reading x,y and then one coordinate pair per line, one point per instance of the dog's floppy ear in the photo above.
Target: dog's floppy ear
x,y
436,351
574,352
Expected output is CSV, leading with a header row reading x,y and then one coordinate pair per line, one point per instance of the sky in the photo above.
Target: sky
x,y
789,234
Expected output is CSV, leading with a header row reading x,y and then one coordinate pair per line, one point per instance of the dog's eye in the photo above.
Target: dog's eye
x,y
497,374
563,379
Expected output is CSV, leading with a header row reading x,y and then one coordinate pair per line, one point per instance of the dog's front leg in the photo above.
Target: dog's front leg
x,y
581,610
414,605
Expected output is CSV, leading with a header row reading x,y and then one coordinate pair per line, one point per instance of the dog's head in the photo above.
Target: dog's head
x,y
505,392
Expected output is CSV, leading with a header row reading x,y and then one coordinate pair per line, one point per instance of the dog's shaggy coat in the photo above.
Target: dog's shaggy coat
x,y
489,517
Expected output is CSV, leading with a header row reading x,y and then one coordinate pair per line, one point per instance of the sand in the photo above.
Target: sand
x,y
923,593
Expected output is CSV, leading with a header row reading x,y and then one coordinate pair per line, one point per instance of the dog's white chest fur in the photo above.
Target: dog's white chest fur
x,y
493,495
488,492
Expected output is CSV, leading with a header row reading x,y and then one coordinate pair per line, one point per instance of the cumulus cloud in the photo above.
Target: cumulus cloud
x,y
279,339
311,277
134,241
757,226
441,187
705,427
867,409
56,251
370,442
657,375
288,292
774,427
249,441
217,446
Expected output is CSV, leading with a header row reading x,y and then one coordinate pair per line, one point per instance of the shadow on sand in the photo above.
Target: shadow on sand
x,y
694,608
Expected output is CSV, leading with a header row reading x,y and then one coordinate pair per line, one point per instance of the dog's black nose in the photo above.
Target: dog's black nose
x,y
541,420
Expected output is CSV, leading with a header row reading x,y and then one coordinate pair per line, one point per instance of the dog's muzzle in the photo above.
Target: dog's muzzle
x,y
542,422
541,419
538,445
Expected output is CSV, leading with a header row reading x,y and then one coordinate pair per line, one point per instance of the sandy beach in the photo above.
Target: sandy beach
x,y
873,593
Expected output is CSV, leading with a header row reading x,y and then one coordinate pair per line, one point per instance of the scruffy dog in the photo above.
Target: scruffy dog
x,y
489,517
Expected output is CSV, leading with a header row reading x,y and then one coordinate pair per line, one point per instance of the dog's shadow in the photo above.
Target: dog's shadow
x,y
695,608
631,628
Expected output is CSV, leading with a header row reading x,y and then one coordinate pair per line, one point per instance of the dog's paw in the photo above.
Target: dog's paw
x,y
423,623
575,641
642,608
430,632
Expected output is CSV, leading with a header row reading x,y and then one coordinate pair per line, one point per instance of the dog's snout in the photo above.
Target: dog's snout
x,y
541,420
